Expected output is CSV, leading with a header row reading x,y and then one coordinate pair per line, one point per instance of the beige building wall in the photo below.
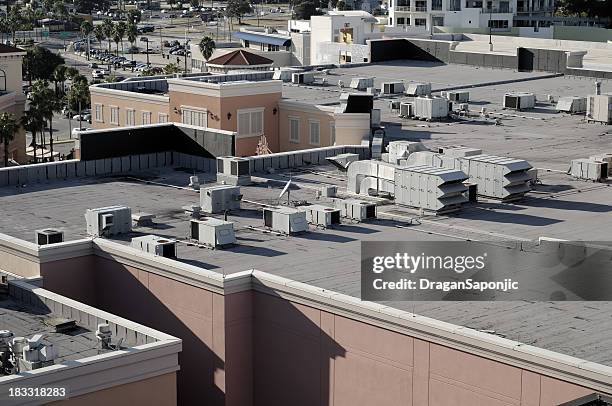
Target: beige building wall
x,y
157,391
12,101
156,105
222,113
305,114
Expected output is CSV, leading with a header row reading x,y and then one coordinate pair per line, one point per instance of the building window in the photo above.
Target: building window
x,y
163,118
294,129
400,20
436,5
114,115
420,22
146,117
99,113
437,21
250,122
332,133
193,116
2,80
130,117
315,132
498,24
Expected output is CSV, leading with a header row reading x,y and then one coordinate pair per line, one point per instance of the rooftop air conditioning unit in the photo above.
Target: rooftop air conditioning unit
x,y
356,209
49,236
519,100
212,232
361,83
286,220
429,108
572,104
155,245
302,78
456,96
108,221
218,199
321,215
418,89
406,110
392,87
599,108
233,170
588,169
605,157
402,149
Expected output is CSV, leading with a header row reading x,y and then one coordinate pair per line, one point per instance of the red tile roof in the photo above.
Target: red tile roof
x,y
240,57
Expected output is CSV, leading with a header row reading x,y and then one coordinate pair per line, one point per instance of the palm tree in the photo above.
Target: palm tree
x,y
207,47
32,122
86,30
46,103
132,32
119,33
99,33
108,28
59,76
8,127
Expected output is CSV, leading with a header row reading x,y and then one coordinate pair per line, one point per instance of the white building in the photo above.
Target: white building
x,y
472,14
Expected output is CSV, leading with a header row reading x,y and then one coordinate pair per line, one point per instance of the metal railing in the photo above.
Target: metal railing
x,y
411,9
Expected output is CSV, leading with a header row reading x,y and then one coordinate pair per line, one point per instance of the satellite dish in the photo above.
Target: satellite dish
x,y
285,189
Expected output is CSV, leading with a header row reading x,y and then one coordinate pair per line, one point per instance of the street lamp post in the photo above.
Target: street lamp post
x,y
490,28
146,40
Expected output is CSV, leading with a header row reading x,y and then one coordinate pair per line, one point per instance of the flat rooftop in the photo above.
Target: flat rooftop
x,y
560,207
26,321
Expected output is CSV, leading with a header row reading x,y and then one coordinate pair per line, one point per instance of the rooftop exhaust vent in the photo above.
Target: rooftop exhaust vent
x,y
155,245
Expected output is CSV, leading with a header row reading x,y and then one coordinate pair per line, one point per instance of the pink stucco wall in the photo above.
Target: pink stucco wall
x,y
252,348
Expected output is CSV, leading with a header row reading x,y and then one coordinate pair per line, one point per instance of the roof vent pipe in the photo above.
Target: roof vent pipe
x,y
597,87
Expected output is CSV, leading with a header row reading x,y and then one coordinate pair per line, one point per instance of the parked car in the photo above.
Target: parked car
x,y
82,117
93,65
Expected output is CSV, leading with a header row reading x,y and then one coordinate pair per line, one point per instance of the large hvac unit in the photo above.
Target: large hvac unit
x,y
430,108
108,221
49,236
588,169
437,190
212,232
456,96
519,100
572,104
371,177
406,110
321,215
156,245
302,78
497,177
233,170
286,220
418,89
599,108
356,209
218,199
361,83
402,149
392,87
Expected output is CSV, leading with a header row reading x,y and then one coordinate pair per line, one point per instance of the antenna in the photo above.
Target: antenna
x,y
285,190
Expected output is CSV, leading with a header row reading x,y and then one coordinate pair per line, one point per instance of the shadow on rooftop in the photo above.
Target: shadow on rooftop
x,y
354,228
253,250
552,203
324,235
508,218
